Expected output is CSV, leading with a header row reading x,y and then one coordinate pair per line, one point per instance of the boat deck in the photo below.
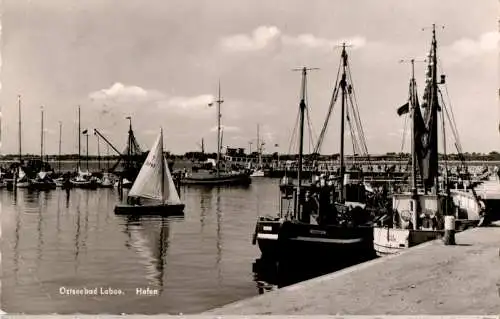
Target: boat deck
x,y
430,279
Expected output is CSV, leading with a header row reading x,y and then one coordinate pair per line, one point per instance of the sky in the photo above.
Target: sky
x,y
160,62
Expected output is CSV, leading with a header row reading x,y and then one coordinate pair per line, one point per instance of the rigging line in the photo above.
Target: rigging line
x,y
333,100
354,137
292,136
454,123
450,120
358,118
359,127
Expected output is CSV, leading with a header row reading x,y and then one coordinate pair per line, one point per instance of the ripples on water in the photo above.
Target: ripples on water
x,y
201,261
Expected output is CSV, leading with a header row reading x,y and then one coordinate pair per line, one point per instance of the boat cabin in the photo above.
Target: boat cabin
x,y
426,211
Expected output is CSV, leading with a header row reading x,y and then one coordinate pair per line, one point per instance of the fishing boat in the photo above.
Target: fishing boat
x,y
153,191
217,176
418,215
334,227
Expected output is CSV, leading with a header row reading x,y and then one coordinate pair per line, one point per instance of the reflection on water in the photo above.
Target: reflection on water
x,y
73,239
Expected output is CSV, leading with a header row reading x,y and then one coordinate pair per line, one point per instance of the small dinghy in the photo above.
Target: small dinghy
x,y
153,191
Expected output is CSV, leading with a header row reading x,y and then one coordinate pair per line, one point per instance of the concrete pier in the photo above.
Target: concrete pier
x,y
430,279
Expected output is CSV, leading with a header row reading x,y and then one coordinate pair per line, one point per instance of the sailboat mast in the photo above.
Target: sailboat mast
x,y
413,149
79,139
162,168
20,131
41,140
87,159
219,102
435,104
343,85
60,138
259,148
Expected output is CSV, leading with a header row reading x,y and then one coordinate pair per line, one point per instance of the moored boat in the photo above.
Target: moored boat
x,y
153,191
217,176
418,215
319,221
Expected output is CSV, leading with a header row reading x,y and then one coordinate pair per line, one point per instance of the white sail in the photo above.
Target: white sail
x,y
171,195
148,183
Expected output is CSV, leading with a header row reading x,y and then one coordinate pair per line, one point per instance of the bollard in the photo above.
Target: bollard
x,y
449,230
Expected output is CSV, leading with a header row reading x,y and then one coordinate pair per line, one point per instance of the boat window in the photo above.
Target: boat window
x,y
411,205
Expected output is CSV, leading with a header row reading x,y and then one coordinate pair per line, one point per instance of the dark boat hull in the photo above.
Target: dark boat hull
x,y
327,244
84,185
239,179
42,185
150,209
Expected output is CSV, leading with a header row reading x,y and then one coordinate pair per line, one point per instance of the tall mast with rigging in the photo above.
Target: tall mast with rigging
x,y
60,138
41,140
20,130
343,86
302,110
79,139
219,101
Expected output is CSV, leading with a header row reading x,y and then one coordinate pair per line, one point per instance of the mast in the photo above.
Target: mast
x,y
60,138
434,108
128,164
219,102
162,168
302,109
79,139
87,159
202,146
259,147
20,131
413,148
343,86
41,141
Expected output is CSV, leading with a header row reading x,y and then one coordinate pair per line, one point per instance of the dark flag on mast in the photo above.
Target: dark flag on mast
x,y
404,109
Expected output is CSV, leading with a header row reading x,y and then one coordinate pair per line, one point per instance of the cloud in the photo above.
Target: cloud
x,y
119,92
466,47
264,36
188,102
258,40
226,128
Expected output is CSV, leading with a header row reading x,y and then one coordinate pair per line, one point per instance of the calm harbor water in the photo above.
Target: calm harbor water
x,y
201,261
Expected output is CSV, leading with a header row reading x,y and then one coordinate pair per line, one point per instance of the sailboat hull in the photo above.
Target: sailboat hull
x,y
150,209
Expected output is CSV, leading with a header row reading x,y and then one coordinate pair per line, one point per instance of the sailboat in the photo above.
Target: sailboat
x,y
217,176
153,190
43,180
338,231
418,215
259,170
21,180
84,178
